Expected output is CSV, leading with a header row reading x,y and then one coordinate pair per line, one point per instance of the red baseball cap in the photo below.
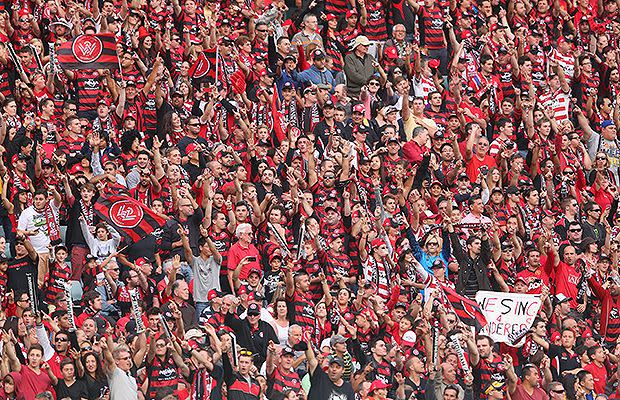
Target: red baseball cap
x,y
377,242
359,108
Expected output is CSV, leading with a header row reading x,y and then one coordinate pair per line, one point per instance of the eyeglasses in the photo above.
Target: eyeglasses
x,y
194,124
558,391
569,172
601,158
114,269
451,321
160,345
124,358
261,30
374,84
329,177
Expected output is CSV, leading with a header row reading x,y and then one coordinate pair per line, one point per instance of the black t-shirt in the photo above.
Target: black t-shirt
x,y
76,391
568,362
323,388
16,273
413,391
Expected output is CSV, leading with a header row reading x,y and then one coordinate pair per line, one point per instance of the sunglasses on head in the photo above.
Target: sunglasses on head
x,y
246,352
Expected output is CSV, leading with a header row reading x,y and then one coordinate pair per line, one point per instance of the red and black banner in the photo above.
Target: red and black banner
x,y
131,218
89,52
204,66
468,311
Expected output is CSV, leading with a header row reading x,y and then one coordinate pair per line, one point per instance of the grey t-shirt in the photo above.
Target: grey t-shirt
x,y
206,277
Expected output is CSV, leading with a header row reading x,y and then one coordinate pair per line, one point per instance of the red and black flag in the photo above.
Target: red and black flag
x,y
204,66
89,52
131,218
468,311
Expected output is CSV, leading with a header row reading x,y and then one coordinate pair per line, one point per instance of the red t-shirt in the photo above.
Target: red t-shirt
x,y
33,383
567,281
473,166
238,253
600,376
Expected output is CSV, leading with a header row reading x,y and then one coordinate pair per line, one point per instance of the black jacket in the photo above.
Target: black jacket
x,y
468,266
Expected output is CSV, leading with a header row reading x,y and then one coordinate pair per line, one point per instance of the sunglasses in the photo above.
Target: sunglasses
x,y
574,230
62,339
246,352
432,244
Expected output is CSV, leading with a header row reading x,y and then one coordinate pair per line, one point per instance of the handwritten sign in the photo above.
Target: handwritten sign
x,y
509,315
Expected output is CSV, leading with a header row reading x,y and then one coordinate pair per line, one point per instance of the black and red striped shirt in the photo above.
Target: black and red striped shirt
x,y
433,23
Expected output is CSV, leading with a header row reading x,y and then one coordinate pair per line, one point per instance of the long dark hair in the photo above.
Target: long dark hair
x,y
99,374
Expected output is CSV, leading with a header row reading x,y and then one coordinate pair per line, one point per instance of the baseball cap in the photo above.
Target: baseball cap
x,y
409,338
19,156
561,298
337,339
377,242
607,123
361,41
520,278
359,108
512,190
288,350
193,334
213,294
494,385
335,359
141,261
400,304
506,245
318,54
351,13
253,309
377,384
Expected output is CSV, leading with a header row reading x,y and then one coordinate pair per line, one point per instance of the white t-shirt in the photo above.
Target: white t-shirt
x,y
122,385
32,220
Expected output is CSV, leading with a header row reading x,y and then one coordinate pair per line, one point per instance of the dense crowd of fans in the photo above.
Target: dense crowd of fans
x,y
326,171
